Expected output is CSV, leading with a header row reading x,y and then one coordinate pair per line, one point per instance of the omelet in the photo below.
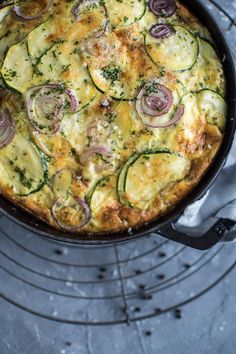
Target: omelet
x,y
110,111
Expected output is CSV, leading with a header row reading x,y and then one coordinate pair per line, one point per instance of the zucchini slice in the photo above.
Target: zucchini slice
x,y
178,52
122,180
191,127
120,83
49,33
207,72
74,129
102,198
6,41
45,36
53,62
200,108
4,12
17,69
210,70
60,63
61,183
112,130
149,174
22,167
125,12
92,20
112,70
103,194
213,107
51,145
13,31
41,39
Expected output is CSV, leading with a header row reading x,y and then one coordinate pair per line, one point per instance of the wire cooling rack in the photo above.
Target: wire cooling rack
x,y
110,284
105,285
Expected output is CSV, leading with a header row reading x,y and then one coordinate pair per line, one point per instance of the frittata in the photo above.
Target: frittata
x,y
111,110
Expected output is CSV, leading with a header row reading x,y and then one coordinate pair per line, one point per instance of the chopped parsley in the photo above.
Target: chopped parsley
x,y
111,73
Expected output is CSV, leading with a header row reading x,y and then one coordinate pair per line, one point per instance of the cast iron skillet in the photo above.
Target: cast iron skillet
x,y
166,224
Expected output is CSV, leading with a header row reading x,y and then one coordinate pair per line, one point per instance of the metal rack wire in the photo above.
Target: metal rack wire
x,y
130,282
107,285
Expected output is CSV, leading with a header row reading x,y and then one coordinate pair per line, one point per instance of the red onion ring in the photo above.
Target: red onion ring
x,y
73,99
177,116
161,31
102,31
3,119
7,128
18,12
154,103
105,103
165,8
42,146
54,124
92,129
84,206
44,101
84,158
83,3
93,132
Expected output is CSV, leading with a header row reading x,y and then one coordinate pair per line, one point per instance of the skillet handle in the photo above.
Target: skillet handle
x,y
218,232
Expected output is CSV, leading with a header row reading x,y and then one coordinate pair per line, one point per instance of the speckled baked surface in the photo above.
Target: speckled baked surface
x,y
114,118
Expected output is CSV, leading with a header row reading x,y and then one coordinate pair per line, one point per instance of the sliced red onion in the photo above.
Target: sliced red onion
x,y
50,101
81,4
92,129
105,103
7,128
99,130
154,99
18,12
73,99
157,124
45,106
165,8
179,113
102,31
45,95
55,129
161,31
83,205
41,144
3,119
91,46
153,105
86,155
